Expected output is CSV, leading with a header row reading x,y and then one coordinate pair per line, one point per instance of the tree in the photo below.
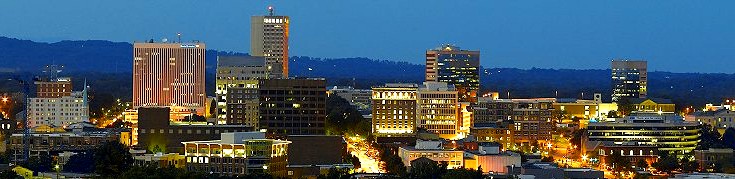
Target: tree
x,y
728,138
9,174
710,138
41,163
111,159
725,164
392,164
613,114
547,159
624,106
576,139
560,115
666,163
619,163
641,176
343,118
463,173
427,170
641,164
195,118
153,171
80,163
688,165
335,173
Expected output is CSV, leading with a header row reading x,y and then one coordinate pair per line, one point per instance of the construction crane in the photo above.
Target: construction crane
x,y
26,130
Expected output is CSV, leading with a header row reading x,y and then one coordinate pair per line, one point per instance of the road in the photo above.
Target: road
x,y
358,148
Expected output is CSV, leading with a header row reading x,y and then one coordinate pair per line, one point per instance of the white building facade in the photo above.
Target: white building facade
x,y
61,111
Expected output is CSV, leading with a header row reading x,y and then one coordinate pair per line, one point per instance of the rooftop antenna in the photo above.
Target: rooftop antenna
x,y
179,35
270,10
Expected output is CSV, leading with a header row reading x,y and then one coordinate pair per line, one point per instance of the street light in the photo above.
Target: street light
x,y
56,167
5,99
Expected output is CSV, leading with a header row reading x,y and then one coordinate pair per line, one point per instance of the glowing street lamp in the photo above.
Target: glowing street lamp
x,y
584,157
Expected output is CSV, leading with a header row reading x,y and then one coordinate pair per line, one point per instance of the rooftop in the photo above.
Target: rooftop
x,y
238,61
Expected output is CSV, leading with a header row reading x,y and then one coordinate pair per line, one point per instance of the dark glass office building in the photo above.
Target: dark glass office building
x,y
457,67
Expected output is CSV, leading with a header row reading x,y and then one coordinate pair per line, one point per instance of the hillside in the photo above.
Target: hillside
x,y
107,67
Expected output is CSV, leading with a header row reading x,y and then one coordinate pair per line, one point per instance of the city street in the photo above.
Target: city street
x,y
368,156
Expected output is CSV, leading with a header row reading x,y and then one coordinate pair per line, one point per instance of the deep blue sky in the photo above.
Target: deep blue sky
x,y
673,35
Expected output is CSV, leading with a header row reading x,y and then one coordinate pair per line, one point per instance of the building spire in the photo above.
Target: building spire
x,y
270,10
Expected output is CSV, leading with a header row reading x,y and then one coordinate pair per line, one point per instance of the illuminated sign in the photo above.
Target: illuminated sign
x,y
189,45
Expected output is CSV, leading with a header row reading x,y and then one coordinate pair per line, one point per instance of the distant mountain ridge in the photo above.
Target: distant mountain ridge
x,y
99,57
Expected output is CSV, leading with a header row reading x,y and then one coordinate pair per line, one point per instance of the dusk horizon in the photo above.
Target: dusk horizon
x,y
333,89
674,36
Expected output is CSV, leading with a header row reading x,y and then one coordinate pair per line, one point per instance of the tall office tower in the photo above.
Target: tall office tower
x,y
169,74
457,67
438,109
394,110
269,39
237,89
629,79
293,106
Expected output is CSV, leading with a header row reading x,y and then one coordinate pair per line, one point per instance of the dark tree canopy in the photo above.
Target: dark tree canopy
x,y
112,158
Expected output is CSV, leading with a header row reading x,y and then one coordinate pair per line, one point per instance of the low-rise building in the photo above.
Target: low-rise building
x,y
312,155
532,118
491,159
174,160
719,119
360,98
431,150
238,153
51,141
632,151
500,132
703,175
550,170
652,105
583,110
707,158
158,133
666,131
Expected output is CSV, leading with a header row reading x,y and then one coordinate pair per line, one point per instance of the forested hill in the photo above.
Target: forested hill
x,y
107,65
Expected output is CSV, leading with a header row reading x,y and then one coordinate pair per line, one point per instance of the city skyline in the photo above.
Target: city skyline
x,y
677,37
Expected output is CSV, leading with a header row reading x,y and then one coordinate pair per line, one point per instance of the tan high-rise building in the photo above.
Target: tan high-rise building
x,y
269,39
457,67
237,89
438,109
169,74
394,110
